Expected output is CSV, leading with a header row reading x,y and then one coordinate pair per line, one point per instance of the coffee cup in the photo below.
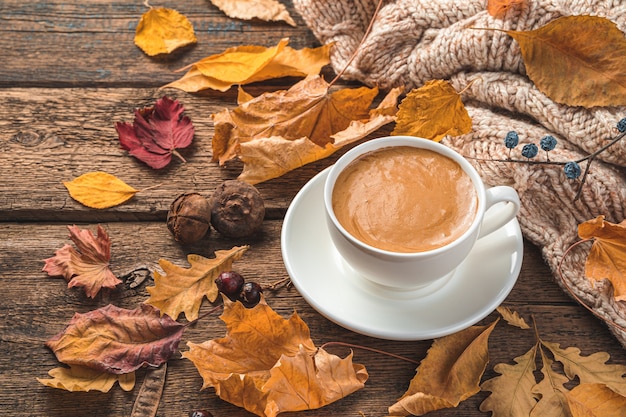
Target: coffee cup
x,y
404,212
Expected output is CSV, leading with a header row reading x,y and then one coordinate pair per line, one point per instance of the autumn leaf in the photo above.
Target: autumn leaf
x,y
181,290
99,190
269,365
449,374
550,391
576,60
87,267
78,378
161,31
268,10
157,132
498,8
432,112
116,340
512,317
595,400
249,63
607,257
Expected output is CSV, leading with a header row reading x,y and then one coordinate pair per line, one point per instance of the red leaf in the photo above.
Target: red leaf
x,y
157,132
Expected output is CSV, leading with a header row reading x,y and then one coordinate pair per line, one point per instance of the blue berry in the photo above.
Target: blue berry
x,y
572,170
621,125
548,143
511,140
530,150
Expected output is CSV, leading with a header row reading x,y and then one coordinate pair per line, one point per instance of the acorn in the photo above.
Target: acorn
x,y
189,218
237,209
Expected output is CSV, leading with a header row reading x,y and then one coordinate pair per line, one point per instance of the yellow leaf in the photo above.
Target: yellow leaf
x,y
595,400
78,378
512,317
183,289
99,190
162,30
269,10
432,112
550,391
576,60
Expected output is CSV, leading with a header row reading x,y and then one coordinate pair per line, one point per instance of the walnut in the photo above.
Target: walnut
x,y
237,209
189,218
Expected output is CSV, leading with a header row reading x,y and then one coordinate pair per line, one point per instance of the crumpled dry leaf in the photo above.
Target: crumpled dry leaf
x,y
161,31
269,365
78,378
595,400
498,8
117,340
449,374
607,257
512,317
89,266
181,290
268,10
99,190
432,112
582,70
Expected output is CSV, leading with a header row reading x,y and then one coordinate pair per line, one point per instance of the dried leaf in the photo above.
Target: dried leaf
x,y
511,392
432,112
449,374
551,392
99,190
269,365
181,290
268,10
89,266
498,8
595,400
576,60
512,317
116,340
157,132
78,378
162,30
607,258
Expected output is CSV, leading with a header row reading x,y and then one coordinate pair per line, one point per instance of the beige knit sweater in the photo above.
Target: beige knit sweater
x,y
413,41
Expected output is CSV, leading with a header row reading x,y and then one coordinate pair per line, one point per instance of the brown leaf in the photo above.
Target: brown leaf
x,y
116,340
269,10
576,60
89,266
181,290
161,31
607,258
595,400
498,8
432,112
449,374
512,317
149,395
78,378
551,392
99,190
268,365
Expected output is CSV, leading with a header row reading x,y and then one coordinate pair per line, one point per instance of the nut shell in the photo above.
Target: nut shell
x,y
237,209
189,218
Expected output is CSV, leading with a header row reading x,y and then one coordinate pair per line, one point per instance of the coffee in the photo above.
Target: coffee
x,y
404,199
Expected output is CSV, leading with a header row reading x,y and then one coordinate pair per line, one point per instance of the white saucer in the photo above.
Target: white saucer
x,y
471,293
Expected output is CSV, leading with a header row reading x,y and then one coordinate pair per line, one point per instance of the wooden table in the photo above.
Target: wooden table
x,y
69,70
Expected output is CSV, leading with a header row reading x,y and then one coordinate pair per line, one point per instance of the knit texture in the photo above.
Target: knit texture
x,y
414,41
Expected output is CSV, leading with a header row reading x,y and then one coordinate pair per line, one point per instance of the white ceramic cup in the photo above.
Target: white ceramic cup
x,y
413,270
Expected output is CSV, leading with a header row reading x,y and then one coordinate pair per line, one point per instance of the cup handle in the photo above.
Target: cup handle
x,y
497,215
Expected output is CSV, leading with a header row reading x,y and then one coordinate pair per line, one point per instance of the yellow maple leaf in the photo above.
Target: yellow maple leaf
x,y
162,30
79,378
181,290
588,400
268,10
432,112
99,190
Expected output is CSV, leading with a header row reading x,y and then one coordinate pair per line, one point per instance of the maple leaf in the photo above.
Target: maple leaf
x,y
498,8
449,374
157,132
550,391
87,267
78,378
432,112
589,400
607,257
183,289
268,10
268,364
99,190
116,340
161,31
582,70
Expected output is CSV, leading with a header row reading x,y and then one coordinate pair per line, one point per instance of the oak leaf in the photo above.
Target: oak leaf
x,y
249,63
449,374
550,392
269,365
595,400
87,267
162,30
432,112
157,132
498,8
576,60
268,10
78,378
607,257
116,340
512,317
99,190
181,290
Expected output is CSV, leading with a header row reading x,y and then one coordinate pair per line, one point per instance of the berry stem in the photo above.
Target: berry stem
x,y
382,352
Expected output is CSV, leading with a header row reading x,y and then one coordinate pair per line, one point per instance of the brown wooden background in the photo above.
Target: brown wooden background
x,y
68,71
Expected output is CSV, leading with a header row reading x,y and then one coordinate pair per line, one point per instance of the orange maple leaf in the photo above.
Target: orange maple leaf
x,y
87,267
607,257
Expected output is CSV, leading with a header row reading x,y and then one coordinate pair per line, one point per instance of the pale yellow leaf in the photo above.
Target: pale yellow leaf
x,y
269,10
78,378
99,190
512,317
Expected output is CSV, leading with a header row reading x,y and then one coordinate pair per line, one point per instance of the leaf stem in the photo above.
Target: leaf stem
x,y
177,154
382,352
208,313
152,187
